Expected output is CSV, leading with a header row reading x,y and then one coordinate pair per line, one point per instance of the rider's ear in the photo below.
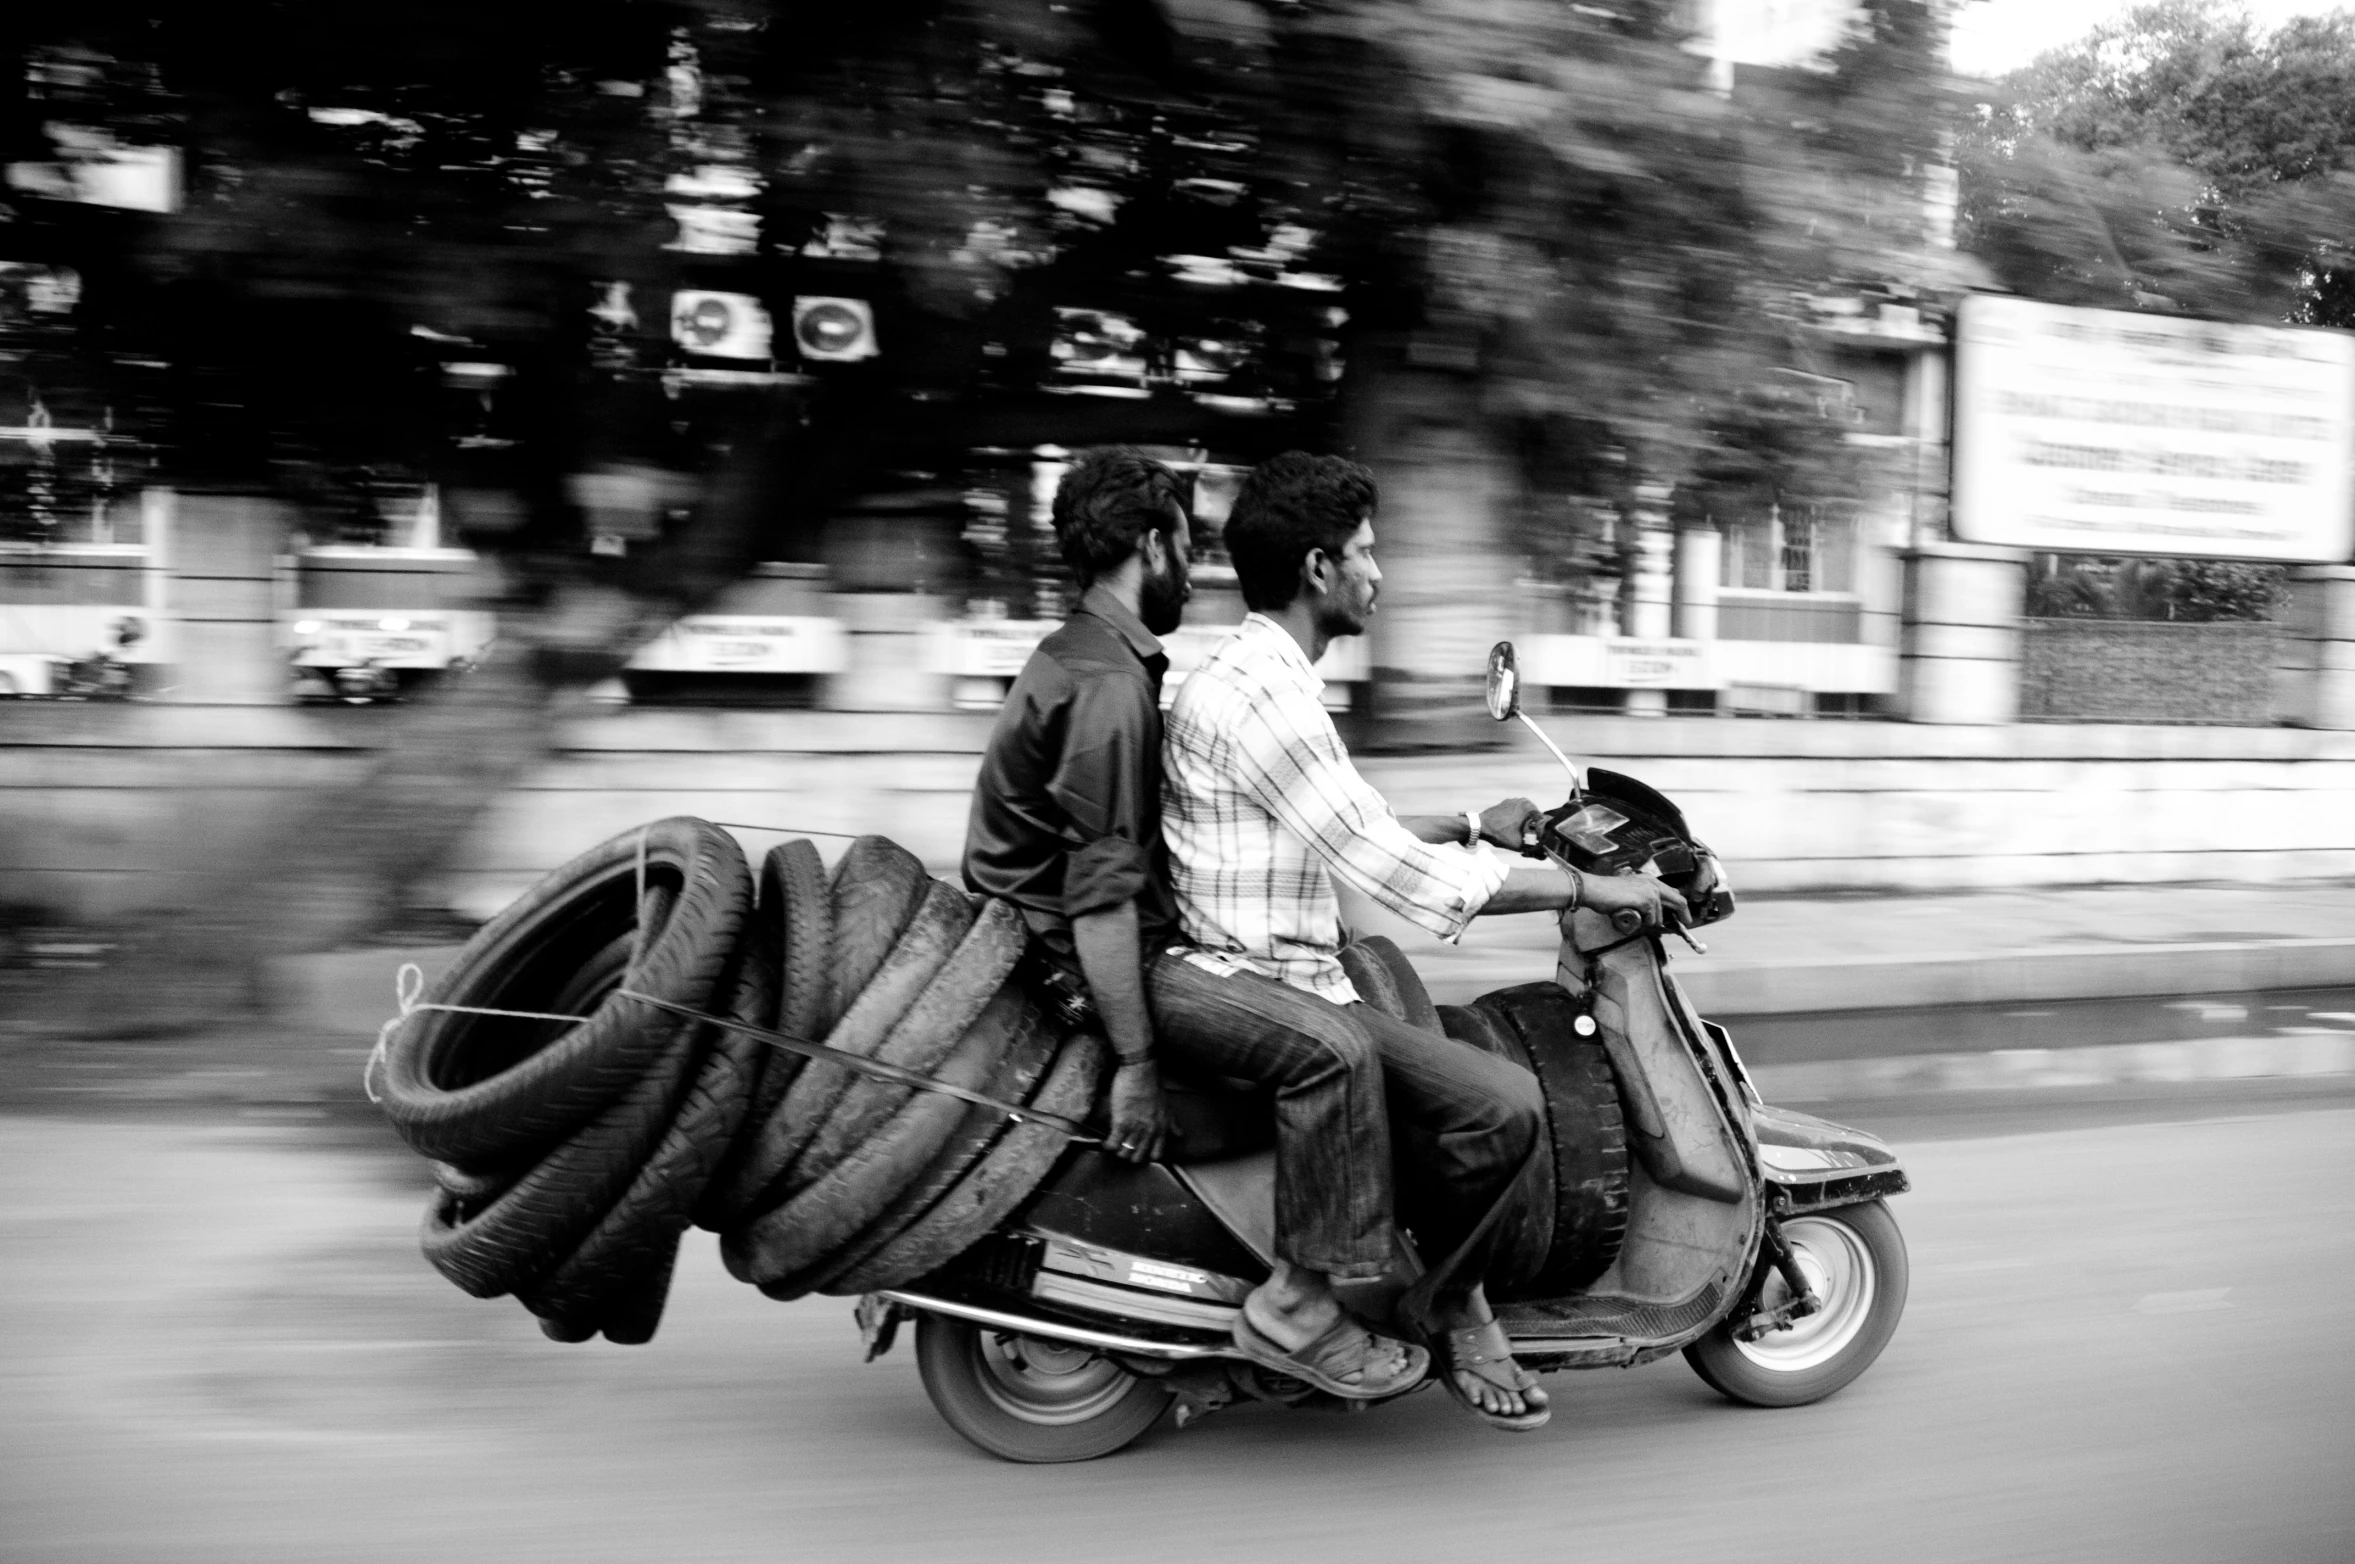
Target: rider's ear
x,y
1315,566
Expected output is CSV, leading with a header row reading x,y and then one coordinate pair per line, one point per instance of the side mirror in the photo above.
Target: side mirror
x,y
1504,683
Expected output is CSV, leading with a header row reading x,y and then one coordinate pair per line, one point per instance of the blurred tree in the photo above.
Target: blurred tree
x,y
1626,258
1549,206
2176,158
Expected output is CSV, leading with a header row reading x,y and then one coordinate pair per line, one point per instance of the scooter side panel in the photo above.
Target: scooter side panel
x,y
1149,1211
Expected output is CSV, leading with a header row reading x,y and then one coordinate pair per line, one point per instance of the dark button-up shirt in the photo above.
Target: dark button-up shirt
x,y
1067,814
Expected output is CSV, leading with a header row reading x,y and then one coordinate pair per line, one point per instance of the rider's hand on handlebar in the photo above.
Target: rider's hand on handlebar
x,y
1654,902
1705,877
1140,1120
1512,825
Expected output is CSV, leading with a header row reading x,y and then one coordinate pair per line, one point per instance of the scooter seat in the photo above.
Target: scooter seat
x,y
1215,1118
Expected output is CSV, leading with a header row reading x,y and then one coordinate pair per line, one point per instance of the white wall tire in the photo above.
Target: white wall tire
x,y
1024,1398
1854,1260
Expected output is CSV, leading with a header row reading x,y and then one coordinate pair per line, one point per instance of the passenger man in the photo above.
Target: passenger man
x,y
1265,811
1066,824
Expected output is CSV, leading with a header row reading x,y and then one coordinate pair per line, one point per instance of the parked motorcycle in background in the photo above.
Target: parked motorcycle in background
x,y
366,683
104,675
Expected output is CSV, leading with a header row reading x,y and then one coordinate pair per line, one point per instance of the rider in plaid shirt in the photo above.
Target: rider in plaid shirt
x,y
1264,810
1261,811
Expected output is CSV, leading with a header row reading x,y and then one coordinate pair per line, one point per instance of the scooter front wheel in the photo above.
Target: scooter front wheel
x,y
1854,1261
1026,1398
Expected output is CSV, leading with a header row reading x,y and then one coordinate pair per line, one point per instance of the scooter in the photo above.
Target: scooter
x,y
1682,1214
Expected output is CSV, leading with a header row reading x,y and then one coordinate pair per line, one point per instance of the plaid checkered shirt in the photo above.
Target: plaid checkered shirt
x,y
1261,809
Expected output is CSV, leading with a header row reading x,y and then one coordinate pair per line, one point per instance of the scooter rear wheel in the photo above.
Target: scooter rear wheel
x,y
1025,1398
1854,1260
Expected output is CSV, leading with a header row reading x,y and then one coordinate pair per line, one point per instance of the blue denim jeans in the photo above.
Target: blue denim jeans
x,y
1354,1090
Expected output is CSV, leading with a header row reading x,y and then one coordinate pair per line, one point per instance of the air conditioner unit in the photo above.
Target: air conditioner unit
x,y
720,325
834,331
1098,345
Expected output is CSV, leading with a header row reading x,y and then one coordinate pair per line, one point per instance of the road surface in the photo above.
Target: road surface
x,y
2126,1341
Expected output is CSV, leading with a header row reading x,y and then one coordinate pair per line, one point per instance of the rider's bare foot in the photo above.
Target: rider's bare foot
x,y
1483,1392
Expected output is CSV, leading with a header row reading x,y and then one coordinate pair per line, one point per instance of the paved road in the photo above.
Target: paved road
x,y
2126,1341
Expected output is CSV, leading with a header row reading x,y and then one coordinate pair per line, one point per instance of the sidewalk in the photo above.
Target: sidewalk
x,y
1799,978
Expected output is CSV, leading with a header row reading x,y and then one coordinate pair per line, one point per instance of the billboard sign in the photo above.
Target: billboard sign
x,y
2090,431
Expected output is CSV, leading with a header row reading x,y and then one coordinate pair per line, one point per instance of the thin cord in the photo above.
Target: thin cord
x,y
789,830
409,985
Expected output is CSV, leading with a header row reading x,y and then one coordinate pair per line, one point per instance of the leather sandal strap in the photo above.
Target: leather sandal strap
x,y
1467,1350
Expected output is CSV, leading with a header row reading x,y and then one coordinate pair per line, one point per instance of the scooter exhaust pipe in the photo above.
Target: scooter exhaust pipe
x,y
1054,1330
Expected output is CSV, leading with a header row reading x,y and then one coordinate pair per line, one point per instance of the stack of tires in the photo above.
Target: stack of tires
x,y
570,1156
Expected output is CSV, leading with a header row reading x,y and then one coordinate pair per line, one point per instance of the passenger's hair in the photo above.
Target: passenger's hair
x,y
1289,505
1108,500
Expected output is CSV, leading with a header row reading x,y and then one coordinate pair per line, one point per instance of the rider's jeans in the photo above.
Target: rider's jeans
x,y
1347,1081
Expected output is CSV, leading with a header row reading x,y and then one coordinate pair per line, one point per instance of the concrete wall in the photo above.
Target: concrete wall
x,y
103,808
101,805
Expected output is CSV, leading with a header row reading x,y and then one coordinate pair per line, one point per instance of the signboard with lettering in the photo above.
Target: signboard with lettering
x,y
2091,431
1620,662
1655,665
747,643
989,648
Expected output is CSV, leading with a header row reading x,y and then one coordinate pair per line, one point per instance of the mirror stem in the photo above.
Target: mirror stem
x,y
1577,785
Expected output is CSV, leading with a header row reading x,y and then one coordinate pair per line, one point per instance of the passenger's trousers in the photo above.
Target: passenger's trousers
x,y
1354,1089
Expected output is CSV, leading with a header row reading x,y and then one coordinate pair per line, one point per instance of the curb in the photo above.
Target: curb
x,y
2006,977
347,994
2305,1055
323,986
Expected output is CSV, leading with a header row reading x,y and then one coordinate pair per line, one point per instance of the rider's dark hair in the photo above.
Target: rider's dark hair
x,y
1289,505
1108,500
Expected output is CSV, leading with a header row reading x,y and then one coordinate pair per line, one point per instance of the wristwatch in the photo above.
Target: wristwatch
x,y
1471,829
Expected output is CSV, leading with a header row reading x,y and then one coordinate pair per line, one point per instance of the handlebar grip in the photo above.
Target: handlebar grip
x,y
1627,920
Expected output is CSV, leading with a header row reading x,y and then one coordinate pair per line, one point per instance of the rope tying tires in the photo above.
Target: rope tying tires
x,y
409,982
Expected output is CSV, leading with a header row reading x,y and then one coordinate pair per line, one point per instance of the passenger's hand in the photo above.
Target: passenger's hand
x,y
1511,825
1640,893
1140,1120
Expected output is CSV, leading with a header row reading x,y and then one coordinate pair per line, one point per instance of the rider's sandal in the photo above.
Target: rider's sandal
x,y
1345,1346
1483,1352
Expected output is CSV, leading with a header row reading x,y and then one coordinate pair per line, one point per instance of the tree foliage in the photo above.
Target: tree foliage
x,y
1552,206
2185,591
2177,158
1548,198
